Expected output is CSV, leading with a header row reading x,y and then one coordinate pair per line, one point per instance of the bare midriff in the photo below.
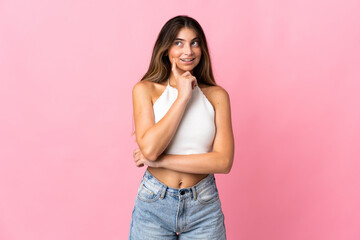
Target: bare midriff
x,y
176,179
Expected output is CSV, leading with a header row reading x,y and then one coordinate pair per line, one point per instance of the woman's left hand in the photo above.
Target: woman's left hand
x,y
140,160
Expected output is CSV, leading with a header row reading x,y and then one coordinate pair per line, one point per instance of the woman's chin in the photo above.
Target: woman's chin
x,y
187,68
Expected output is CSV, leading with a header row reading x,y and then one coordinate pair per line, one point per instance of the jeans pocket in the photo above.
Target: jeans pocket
x,y
147,193
208,194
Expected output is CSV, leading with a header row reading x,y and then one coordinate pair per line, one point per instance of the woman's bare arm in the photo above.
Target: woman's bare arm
x,y
154,138
218,161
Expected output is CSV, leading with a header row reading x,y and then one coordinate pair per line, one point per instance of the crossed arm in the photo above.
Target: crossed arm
x,y
203,163
220,160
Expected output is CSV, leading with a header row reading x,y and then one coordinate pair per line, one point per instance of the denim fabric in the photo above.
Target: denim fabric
x,y
162,212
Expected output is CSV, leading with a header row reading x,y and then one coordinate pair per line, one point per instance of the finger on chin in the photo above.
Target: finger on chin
x,y
174,69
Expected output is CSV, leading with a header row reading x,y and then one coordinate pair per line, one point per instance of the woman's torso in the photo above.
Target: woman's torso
x,y
169,177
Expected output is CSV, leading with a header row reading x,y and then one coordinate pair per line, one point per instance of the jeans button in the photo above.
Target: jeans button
x,y
182,192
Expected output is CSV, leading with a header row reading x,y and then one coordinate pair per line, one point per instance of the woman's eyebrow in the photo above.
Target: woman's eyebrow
x,y
184,39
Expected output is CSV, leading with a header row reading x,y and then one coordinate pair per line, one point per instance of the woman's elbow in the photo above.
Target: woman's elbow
x,y
149,154
226,165
146,150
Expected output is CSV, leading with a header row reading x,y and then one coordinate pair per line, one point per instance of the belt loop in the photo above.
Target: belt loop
x,y
163,192
194,192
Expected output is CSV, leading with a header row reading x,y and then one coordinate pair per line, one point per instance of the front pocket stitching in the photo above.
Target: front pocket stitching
x,y
213,199
148,200
210,201
148,190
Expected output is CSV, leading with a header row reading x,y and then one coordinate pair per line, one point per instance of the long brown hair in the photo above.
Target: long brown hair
x,y
160,65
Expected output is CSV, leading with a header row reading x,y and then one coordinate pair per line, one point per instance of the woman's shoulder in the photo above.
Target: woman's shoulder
x,y
143,85
147,89
217,95
148,84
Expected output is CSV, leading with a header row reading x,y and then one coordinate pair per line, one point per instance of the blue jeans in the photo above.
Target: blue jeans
x,y
162,212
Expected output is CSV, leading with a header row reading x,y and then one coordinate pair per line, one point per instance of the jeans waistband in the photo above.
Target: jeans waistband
x,y
150,179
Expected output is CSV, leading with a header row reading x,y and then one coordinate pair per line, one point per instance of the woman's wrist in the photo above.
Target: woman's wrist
x,y
182,99
160,162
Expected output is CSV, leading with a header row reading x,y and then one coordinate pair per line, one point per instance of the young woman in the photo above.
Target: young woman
x,y
184,133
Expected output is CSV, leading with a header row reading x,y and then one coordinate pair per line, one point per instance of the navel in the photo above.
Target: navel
x,y
180,184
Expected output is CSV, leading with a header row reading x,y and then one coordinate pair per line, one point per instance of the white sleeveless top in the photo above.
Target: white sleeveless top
x,y
196,131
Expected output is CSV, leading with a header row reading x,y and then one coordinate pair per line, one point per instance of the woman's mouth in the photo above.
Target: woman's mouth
x,y
187,60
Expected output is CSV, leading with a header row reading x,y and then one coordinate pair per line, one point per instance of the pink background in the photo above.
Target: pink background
x,y
291,68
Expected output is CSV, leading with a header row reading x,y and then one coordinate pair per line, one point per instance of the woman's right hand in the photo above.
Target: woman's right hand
x,y
185,82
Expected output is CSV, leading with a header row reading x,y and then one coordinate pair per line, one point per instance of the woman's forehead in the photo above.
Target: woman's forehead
x,y
186,33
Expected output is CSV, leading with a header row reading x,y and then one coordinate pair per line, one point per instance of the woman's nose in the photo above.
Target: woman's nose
x,y
188,49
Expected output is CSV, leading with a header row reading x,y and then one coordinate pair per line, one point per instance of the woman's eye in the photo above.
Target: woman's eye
x,y
197,43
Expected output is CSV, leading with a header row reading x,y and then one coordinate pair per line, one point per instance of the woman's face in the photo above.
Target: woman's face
x,y
186,50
